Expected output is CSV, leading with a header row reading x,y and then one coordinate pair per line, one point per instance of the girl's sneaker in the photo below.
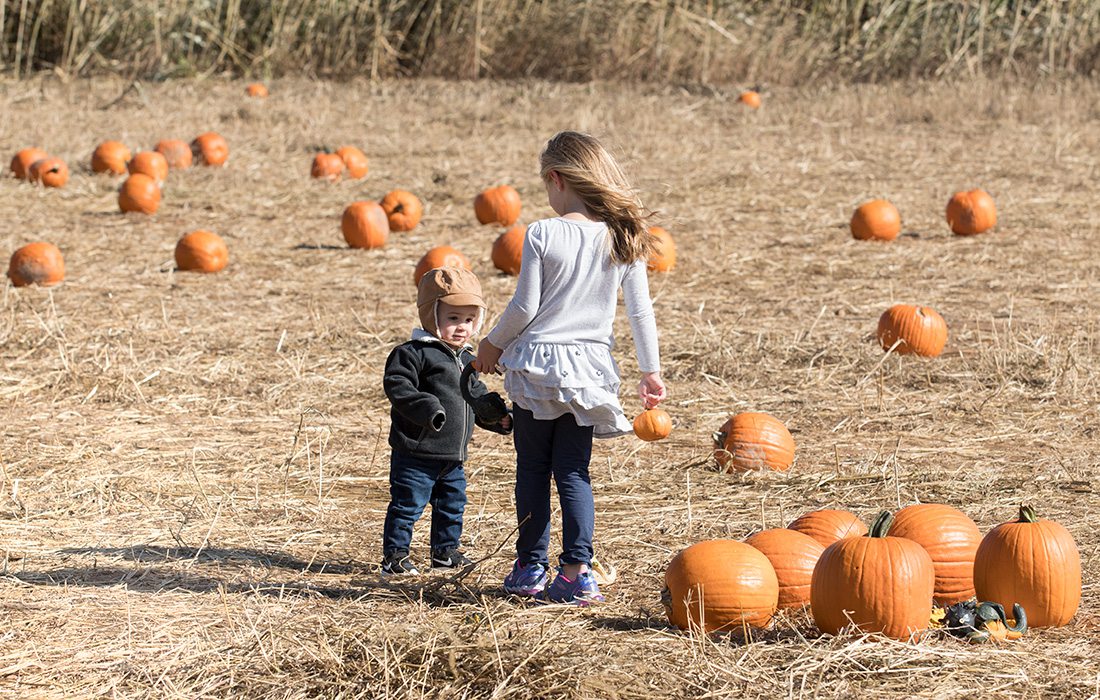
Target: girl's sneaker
x,y
526,580
582,590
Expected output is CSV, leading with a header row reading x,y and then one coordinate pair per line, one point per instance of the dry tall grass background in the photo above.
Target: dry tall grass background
x,y
194,468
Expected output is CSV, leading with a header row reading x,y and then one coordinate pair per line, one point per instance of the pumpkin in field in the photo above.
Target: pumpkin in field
x,y
201,251
327,166
354,160
972,212
403,209
750,441
876,582
720,585
749,98
36,263
950,538
110,157
256,90
150,163
23,160
793,556
663,257
177,153
365,225
49,172
828,525
140,193
508,250
210,148
653,424
498,205
917,330
440,256
1033,562
877,220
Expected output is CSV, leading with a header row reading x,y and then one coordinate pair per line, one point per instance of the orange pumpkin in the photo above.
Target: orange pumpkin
x,y
663,257
720,585
150,163
877,220
354,160
749,98
918,330
140,193
110,157
365,225
877,583
49,172
749,441
950,538
210,148
403,210
256,90
201,251
36,263
972,212
440,256
508,250
1033,562
828,525
23,160
327,166
176,152
498,205
653,424
793,556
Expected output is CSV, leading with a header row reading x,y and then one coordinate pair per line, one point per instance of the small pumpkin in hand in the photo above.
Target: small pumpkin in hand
x,y
36,263
828,525
258,90
365,225
201,251
354,160
403,209
440,256
793,556
327,166
508,250
720,585
49,172
210,148
749,98
653,424
917,330
150,163
110,157
877,220
139,193
663,257
970,213
22,161
177,153
749,441
498,205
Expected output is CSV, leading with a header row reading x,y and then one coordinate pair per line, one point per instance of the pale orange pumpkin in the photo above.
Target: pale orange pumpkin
x,y
139,193
950,538
653,424
793,556
749,441
354,160
365,225
508,250
150,163
917,330
498,205
749,98
23,160
877,220
256,90
210,148
201,251
970,213
176,152
110,157
49,172
327,166
440,256
828,525
403,209
663,257
720,585
36,263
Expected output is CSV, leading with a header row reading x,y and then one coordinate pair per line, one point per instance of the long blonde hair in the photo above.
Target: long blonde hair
x,y
586,166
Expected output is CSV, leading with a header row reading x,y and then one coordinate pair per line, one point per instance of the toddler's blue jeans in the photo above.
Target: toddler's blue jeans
x,y
563,449
414,483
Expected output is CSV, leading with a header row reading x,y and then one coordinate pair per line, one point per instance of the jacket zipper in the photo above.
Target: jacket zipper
x,y
458,363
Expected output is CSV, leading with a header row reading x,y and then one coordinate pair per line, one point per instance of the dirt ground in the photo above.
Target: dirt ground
x,y
194,468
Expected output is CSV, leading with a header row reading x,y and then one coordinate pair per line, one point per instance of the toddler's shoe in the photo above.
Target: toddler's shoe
x,y
449,559
582,590
398,563
529,579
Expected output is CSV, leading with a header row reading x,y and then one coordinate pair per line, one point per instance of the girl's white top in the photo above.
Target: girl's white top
x,y
556,332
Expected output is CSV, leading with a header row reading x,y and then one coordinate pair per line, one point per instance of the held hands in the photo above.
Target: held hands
x,y
651,389
487,357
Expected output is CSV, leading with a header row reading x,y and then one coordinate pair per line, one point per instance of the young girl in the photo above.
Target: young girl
x,y
554,342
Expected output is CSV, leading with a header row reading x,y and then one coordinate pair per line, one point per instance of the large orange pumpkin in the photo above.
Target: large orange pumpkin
x,y
327,166
920,330
749,98
354,160
876,582
793,556
256,90
110,157
508,250
201,251
750,441
210,148
498,205
23,160
971,212
828,525
720,585
49,172
176,152
403,209
440,256
1033,562
653,424
36,263
140,193
365,225
950,538
150,163
663,257
877,220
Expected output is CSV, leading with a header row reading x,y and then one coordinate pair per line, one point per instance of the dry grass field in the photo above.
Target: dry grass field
x,y
194,468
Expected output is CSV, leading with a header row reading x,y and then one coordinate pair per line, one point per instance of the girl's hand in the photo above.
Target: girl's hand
x,y
487,357
651,389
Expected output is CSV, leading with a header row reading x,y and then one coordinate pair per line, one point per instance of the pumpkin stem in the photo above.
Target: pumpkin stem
x,y
882,524
1027,514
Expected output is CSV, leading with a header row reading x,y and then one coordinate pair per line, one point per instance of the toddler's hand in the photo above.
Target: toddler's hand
x,y
506,422
487,357
651,389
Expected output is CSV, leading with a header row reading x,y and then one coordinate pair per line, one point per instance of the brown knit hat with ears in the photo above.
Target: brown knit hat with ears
x,y
451,285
